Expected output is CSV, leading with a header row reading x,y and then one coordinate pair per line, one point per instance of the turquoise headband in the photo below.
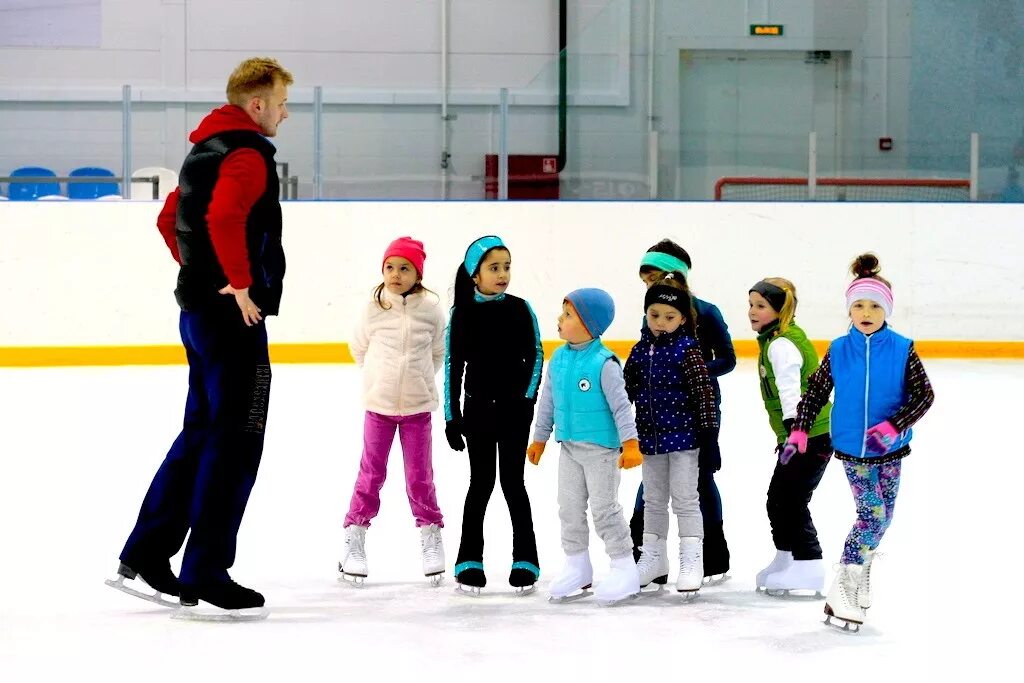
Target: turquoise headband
x,y
477,249
665,263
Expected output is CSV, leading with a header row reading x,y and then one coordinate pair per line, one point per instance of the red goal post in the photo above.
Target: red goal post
x,y
770,189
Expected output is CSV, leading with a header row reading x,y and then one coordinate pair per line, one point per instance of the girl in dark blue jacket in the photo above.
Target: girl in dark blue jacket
x,y
676,417
716,347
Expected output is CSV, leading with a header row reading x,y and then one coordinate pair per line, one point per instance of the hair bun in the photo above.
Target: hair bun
x,y
865,265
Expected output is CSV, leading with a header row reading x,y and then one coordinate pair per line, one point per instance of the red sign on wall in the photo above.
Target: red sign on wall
x,y
549,165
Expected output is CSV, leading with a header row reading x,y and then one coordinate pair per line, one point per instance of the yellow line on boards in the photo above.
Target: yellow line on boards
x,y
90,356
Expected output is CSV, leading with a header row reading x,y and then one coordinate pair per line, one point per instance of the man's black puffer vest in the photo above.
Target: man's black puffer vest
x,y
201,275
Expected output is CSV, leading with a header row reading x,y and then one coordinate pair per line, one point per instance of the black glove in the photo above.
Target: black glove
x,y
709,459
453,432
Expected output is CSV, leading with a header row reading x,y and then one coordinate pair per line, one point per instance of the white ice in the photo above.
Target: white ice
x,y
81,445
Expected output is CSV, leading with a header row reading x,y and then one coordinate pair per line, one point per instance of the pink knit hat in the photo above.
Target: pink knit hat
x,y
870,289
409,249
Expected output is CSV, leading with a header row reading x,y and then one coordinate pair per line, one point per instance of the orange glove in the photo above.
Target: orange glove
x,y
534,451
631,456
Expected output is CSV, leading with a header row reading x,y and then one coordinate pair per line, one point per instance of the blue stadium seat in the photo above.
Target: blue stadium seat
x,y
91,190
28,191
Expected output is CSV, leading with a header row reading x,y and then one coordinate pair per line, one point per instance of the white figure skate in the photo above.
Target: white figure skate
x,y
353,566
574,581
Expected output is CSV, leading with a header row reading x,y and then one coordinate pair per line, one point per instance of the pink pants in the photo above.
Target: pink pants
x,y
378,435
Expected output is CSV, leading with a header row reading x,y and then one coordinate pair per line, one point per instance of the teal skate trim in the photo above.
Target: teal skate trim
x,y
463,566
528,566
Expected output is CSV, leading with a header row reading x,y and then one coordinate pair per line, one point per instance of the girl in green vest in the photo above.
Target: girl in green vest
x,y
787,358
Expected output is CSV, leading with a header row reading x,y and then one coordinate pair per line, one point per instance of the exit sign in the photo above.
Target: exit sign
x,y
766,29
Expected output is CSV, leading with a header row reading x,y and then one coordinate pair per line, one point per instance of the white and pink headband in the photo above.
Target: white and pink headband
x,y
870,289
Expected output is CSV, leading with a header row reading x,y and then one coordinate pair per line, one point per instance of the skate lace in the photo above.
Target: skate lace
x,y
850,585
648,560
864,587
688,562
356,541
431,544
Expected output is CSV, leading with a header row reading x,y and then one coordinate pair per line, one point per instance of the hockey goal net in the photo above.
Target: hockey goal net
x,y
767,189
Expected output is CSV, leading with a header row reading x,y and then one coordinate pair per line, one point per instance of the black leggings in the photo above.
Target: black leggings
x,y
497,449
789,495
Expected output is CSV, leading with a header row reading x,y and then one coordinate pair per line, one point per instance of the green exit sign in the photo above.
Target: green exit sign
x,y
766,29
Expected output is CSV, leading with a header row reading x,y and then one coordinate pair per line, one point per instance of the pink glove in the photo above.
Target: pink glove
x,y
797,442
881,438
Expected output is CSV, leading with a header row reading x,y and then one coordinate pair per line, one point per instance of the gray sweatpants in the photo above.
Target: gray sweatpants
x,y
588,472
672,474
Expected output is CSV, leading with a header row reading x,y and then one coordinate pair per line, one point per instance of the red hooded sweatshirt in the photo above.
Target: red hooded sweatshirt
x,y
241,181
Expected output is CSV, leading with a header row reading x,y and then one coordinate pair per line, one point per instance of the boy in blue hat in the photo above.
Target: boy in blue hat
x,y
584,399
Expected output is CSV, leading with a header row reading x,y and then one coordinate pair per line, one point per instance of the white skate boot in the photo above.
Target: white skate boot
x,y
841,603
433,553
691,565
653,564
864,587
353,567
783,558
576,577
621,584
802,578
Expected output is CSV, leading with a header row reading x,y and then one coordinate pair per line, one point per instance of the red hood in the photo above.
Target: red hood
x,y
228,117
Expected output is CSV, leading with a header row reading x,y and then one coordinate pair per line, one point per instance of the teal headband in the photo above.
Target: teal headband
x,y
477,249
665,263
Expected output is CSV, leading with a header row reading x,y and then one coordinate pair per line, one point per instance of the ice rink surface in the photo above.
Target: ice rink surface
x,y
81,445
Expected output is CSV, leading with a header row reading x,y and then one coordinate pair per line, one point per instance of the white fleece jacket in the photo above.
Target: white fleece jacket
x,y
400,349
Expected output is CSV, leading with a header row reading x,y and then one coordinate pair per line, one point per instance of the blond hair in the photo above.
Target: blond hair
x,y
256,76
788,311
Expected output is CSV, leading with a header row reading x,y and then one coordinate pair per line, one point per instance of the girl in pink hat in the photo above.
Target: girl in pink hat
x,y
399,342
881,389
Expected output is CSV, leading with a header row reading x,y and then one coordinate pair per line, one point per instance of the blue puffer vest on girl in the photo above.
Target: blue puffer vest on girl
x,y
665,420
868,374
581,409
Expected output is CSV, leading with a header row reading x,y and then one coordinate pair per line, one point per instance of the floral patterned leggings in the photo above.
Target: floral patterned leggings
x,y
874,491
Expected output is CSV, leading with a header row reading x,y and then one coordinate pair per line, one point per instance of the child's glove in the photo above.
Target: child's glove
x,y
453,432
797,442
631,456
709,458
881,438
534,451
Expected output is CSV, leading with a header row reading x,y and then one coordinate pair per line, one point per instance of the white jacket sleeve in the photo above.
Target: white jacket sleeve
x,y
360,339
786,363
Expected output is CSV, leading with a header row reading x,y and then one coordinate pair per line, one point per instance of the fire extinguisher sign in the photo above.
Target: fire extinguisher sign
x,y
549,164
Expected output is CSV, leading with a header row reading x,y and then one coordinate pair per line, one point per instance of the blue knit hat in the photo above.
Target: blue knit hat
x,y
595,308
475,252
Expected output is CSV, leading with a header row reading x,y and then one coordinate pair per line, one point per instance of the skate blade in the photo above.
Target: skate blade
x,y
216,614
572,597
353,580
618,601
523,591
652,589
156,597
688,596
468,591
716,579
842,624
436,579
795,593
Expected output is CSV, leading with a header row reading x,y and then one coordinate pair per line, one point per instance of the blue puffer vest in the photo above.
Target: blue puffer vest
x,y
868,373
655,381
581,409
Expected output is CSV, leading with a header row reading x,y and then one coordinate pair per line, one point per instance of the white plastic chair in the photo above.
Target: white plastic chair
x,y
143,191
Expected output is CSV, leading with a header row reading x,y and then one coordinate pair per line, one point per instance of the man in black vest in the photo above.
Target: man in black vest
x,y
223,226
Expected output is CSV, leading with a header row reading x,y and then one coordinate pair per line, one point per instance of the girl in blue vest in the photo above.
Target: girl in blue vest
x,y
716,347
881,389
494,339
676,418
585,401
786,360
